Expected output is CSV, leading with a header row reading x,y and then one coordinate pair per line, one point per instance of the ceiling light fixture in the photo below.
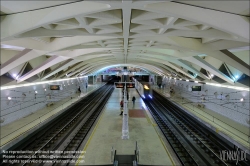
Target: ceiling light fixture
x,y
9,98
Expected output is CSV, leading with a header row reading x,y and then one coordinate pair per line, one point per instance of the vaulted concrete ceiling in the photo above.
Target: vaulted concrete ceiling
x,y
188,39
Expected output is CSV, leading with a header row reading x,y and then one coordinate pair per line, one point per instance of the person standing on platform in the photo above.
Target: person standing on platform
x,y
86,87
79,89
133,99
121,104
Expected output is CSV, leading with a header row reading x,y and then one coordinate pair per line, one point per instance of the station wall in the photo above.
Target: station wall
x,y
24,101
231,103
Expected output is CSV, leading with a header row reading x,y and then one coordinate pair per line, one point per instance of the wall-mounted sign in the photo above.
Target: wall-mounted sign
x,y
55,87
196,88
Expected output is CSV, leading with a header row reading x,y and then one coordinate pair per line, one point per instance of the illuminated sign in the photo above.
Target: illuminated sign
x,y
122,84
119,85
55,87
130,85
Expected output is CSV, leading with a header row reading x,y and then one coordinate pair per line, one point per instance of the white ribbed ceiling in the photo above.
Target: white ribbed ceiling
x,y
184,37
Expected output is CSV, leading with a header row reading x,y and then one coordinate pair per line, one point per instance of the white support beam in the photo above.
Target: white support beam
x,y
85,63
50,62
151,42
190,68
87,68
84,23
49,26
30,20
101,43
71,69
66,64
231,60
126,13
160,62
22,57
231,23
168,24
199,61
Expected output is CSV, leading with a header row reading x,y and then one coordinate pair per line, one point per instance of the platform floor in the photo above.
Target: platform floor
x,y
15,131
229,129
108,132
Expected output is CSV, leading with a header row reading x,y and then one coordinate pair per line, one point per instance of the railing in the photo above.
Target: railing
x,y
37,122
191,105
115,162
114,158
137,152
112,154
44,118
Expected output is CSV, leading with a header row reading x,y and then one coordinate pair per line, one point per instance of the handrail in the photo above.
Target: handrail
x,y
37,119
112,154
136,152
115,162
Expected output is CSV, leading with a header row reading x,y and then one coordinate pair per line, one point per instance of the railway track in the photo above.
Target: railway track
x,y
67,131
189,140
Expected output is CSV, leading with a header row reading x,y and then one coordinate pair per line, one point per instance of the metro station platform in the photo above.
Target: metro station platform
x,y
15,131
232,131
108,132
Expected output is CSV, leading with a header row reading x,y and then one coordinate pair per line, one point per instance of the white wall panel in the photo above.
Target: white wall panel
x,y
24,101
232,108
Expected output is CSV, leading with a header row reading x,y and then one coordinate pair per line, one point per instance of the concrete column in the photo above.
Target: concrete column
x,y
125,128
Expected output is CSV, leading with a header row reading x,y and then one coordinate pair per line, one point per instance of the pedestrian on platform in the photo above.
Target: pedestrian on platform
x,y
121,104
133,99
79,89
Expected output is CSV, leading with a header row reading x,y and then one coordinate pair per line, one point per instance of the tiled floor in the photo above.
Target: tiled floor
x,y
108,134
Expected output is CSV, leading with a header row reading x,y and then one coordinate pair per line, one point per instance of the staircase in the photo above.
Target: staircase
x,y
125,160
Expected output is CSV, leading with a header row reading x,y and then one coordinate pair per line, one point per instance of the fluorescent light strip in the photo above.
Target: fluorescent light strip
x,y
226,86
36,83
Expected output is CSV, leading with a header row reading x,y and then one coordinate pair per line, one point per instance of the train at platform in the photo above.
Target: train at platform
x,y
144,89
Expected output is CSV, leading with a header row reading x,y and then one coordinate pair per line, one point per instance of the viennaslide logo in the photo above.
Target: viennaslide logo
x,y
233,155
